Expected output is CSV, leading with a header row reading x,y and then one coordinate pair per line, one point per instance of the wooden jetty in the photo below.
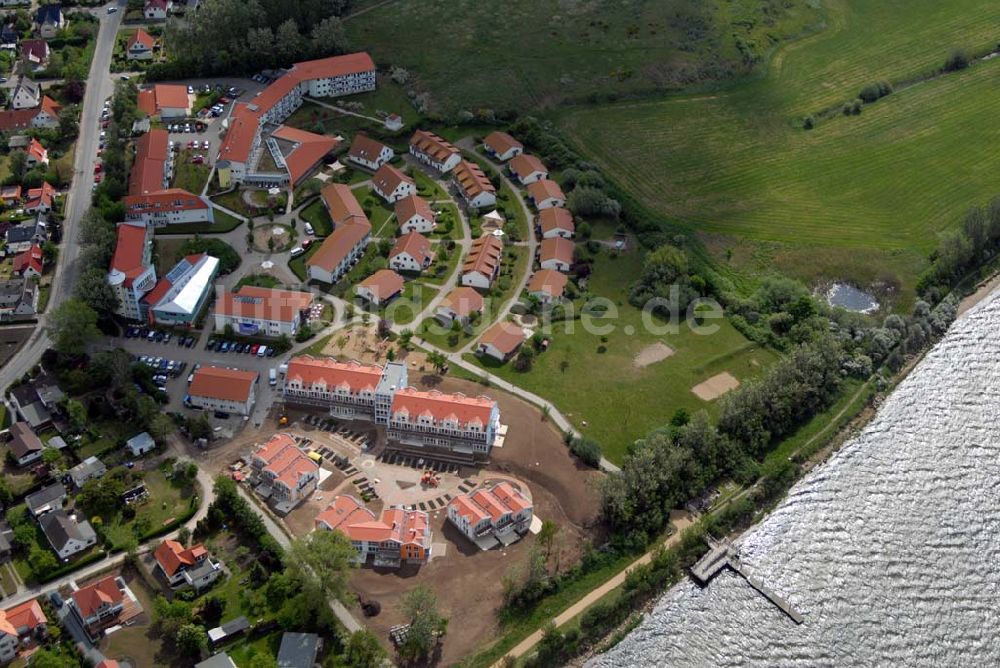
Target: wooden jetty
x,y
723,555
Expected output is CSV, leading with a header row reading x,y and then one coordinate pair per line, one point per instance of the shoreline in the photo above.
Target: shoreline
x,y
981,291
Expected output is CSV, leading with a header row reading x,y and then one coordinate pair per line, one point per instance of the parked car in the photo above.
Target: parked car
x,y
309,229
166,337
111,10
151,335
204,145
297,251
262,351
254,348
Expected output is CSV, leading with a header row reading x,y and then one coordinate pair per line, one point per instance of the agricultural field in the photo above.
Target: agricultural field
x,y
622,386
861,197
531,55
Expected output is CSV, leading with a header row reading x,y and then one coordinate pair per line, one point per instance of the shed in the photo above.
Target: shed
x,y
140,444
228,630
298,650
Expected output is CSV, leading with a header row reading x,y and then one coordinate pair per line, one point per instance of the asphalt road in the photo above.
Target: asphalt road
x,y
99,88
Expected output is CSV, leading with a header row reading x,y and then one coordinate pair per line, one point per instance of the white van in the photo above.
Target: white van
x,y
272,377
297,251
309,229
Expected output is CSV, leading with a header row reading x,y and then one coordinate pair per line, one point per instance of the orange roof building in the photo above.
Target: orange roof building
x,y
391,184
501,514
140,45
399,536
501,340
338,252
546,194
149,168
189,566
165,101
414,214
434,151
132,273
381,287
282,472
220,389
99,604
556,253
26,620
347,389
501,146
29,262
342,205
258,311
41,198
411,252
473,185
482,264
37,154
527,169
305,150
556,222
427,420
547,285
459,305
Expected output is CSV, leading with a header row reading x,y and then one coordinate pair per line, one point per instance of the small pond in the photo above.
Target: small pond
x,y
851,298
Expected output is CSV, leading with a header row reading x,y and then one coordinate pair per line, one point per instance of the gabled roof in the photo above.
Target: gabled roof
x,y
23,441
501,142
415,245
60,529
181,291
258,303
556,248
484,256
472,180
432,145
27,615
225,384
49,14
365,148
334,66
525,165
338,246
387,178
349,516
342,205
169,199
413,205
29,259
383,284
40,197
309,149
151,153
464,301
35,49
17,119
285,460
50,106
443,407
544,189
549,281
156,4
556,218
142,38
104,592
494,503
504,336
37,151
129,252
327,371
244,124
172,556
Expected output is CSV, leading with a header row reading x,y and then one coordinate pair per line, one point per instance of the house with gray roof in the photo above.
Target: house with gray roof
x,y
299,650
65,534
220,660
46,499
24,444
89,469
140,444
29,407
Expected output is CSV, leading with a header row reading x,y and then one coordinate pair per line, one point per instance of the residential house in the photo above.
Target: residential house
x,y
170,206
37,154
412,252
299,650
548,286
46,499
132,273
21,626
434,151
556,222
347,389
414,214
556,253
140,444
157,10
527,169
391,184
219,389
25,446
257,311
501,146
369,152
151,168
49,20
165,100
29,408
282,473
220,660
47,114
26,94
226,632
545,194
381,287
179,297
393,123
399,536
473,185
459,305
482,264
339,252
487,516
89,469
41,199
8,33
186,566
44,116
99,605
342,205
140,46
66,534
28,264
18,299
501,341
10,195
35,52
20,238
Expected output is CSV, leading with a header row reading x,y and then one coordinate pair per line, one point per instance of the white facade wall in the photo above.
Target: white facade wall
x,y
384,156
555,264
404,189
417,223
164,217
213,404
348,84
406,262
474,279
550,202
265,327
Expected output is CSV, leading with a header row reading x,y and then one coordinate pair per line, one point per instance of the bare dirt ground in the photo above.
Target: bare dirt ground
x,y
715,386
652,354
364,345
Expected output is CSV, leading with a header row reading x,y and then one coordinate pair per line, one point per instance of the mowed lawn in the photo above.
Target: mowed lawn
x,y
619,401
885,182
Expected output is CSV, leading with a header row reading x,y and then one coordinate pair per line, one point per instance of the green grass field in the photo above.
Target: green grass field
x,y
316,215
864,194
618,401
530,54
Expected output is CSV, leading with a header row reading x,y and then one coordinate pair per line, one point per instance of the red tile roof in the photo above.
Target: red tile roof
x,y
151,153
544,189
349,516
464,301
443,407
494,503
40,197
338,246
334,66
171,199
328,372
484,256
250,301
174,96
29,259
365,148
525,165
50,106
472,180
146,101
8,193
556,248
342,204
413,205
17,119
511,496
284,460
504,336
556,218
129,251
387,178
383,284
501,142
172,556
142,37
225,384
37,49
432,145
548,281
310,149
26,615
415,245
468,509
89,599
37,151
244,125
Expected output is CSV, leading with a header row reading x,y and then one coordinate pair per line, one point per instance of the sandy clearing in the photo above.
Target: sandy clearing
x,y
652,354
715,386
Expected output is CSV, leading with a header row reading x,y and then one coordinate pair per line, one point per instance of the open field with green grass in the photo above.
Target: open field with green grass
x,y
224,222
316,215
619,400
539,54
866,193
188,175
